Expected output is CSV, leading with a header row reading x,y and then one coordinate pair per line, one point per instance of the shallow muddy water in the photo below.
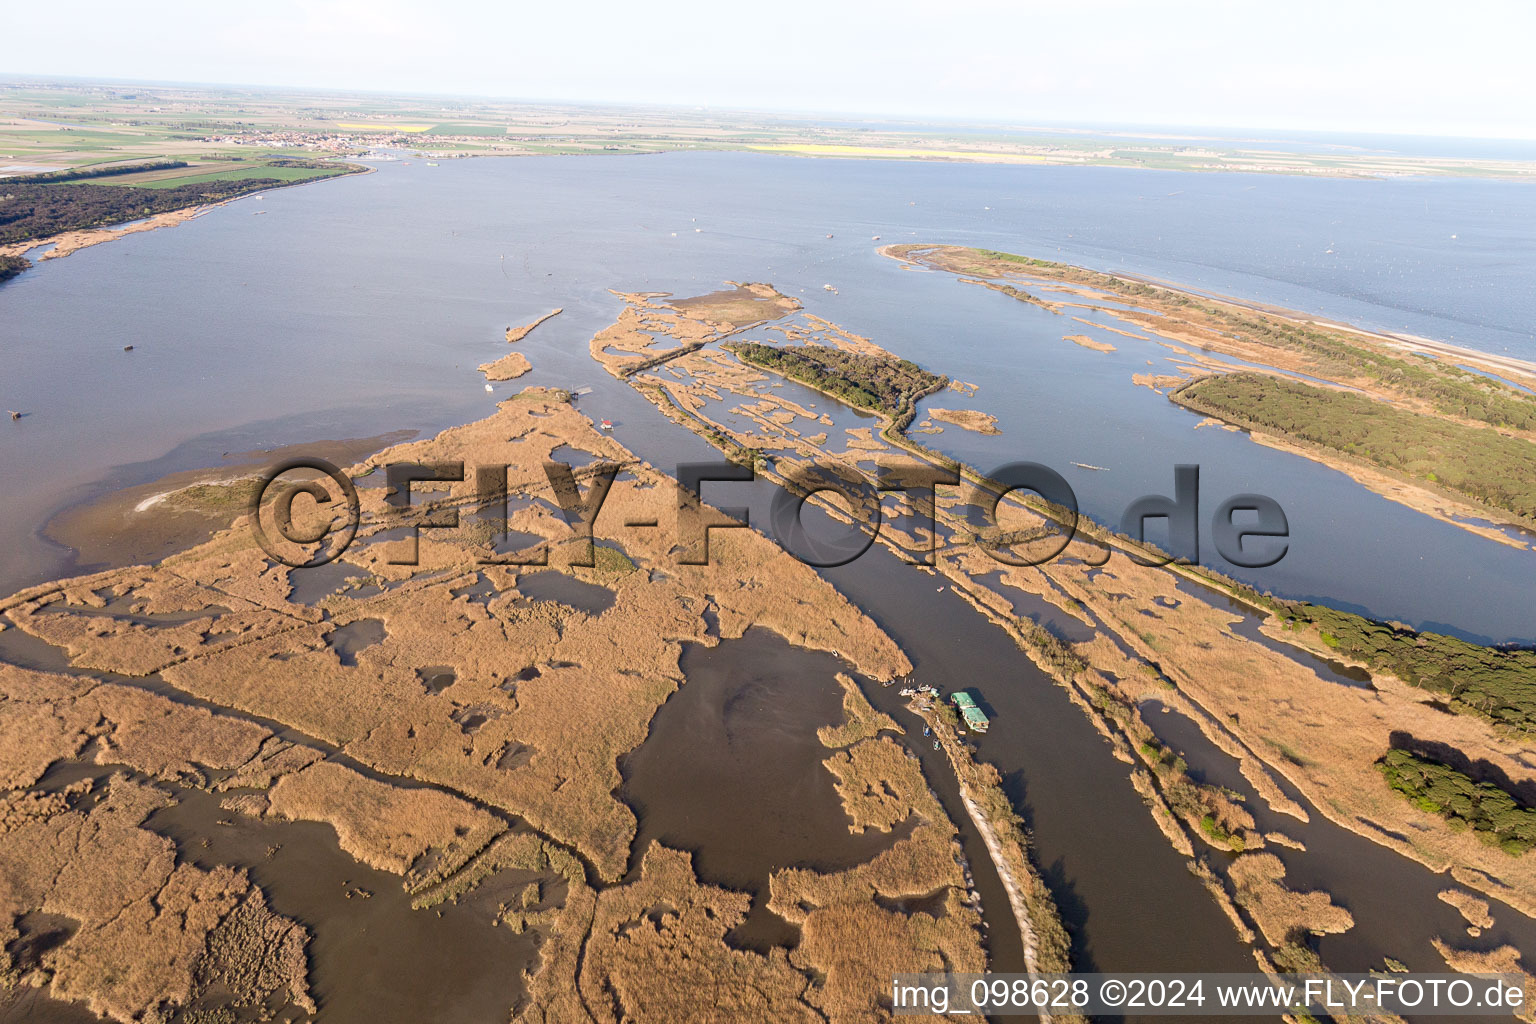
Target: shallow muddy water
x,y
732,771
372,958
1114,875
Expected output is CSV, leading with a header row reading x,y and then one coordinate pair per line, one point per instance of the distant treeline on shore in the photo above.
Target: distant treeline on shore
x,y
85,173
1486,466
39,205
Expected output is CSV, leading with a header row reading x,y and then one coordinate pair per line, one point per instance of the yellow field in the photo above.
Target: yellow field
x,y
380,126
901,153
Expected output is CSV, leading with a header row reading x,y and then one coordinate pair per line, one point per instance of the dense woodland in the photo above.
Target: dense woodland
x,y
39,205
882,383
10,266
1489,811
1450,390
1499,683
1482,464
37,211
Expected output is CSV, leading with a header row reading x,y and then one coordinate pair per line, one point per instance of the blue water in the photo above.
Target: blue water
x,y
364,305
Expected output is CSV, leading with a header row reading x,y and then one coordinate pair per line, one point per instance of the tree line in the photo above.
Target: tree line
x,y
86,173
10,266
1491,813
882,383
1484,465
39,210
1498,683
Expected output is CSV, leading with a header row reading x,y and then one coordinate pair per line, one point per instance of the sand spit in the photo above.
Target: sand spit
x,y
149,521
1034,910
516,334
67,242
1087,342
1187,321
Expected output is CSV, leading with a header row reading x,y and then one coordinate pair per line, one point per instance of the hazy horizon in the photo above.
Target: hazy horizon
x,y
1312,67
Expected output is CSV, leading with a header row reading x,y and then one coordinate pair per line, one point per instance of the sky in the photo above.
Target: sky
x,y
1405,67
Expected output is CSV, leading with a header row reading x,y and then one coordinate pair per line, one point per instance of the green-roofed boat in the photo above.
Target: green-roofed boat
x,y
966,705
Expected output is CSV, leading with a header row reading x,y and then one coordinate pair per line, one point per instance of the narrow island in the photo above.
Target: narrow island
x,y
73,209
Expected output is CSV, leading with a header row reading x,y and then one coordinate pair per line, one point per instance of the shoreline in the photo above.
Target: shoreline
x,y
156,498
1011,858
1402,342
1208,712
1160,316
113,529
73,240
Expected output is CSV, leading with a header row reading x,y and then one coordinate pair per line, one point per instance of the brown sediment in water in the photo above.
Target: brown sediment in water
x,y
739,306
136,929
1470,907
1104,327
631,344
860,719
1159,382
1279,911
140,931
384,826
149,521
600,675
87,854
541,738
847,939
770,757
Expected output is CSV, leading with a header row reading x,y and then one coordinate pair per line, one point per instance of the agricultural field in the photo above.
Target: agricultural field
x,y
54,125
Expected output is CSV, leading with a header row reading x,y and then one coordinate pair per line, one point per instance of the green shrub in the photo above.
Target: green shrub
x,y
1491,813
882,383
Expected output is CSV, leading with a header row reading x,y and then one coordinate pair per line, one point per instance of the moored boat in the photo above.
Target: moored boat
x,y
975,719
